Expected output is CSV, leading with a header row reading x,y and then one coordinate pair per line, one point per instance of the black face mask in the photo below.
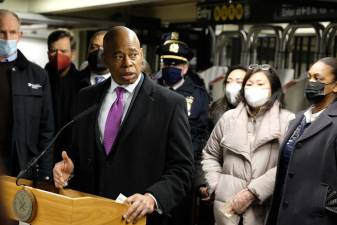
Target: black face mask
x,y
171,75
314,92
95,61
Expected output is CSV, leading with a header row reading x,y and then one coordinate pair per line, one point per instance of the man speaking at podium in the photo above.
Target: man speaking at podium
x,y
136,143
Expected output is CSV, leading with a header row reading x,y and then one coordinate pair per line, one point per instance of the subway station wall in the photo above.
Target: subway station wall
x,y
34,49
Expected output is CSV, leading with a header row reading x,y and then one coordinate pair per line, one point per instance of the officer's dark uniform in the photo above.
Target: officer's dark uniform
x,y
197,101
175,52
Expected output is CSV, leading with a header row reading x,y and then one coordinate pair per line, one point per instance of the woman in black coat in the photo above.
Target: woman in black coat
x,y
306,180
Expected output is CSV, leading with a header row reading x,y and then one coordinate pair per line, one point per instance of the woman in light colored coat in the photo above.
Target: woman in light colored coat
x,y
241,154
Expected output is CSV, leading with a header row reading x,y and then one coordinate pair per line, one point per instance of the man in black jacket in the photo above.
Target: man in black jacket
x,y
26,115
64,81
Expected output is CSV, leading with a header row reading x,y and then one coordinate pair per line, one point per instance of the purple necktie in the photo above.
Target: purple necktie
x,y
113,121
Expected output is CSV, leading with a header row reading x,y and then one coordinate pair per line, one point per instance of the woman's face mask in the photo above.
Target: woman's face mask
x,y
314,92
233,93
233,86
257,90
256,97
321,82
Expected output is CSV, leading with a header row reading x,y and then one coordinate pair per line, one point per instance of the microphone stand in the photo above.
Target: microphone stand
x,y
36,159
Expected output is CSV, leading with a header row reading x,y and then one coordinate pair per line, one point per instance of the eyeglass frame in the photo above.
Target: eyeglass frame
x,y
259,67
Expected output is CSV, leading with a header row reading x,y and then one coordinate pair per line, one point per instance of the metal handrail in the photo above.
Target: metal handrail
x,y
327,39
212,33
222,40
251,46
288,35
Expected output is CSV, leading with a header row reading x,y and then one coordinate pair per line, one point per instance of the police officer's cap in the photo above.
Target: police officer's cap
x,y
173,50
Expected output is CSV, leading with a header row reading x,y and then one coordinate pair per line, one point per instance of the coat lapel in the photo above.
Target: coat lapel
x,y
238,126
292,126
269,128
131,103
323,121
105,85
136,111
319,124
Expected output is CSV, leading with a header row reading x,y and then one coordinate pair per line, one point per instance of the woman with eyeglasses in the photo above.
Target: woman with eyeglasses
x,y
306,181
240,157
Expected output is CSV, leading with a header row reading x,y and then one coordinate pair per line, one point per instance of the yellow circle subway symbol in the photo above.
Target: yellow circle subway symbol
x,y
239,11
224,13
217,13
228,12
231,12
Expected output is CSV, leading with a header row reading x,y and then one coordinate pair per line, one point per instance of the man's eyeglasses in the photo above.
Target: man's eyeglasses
x,y
259,67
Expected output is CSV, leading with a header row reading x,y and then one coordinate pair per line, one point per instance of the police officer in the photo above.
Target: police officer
x,y
175,55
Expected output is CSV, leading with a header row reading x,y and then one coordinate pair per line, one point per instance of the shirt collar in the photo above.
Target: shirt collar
x,y
11,58
129,87
311,117
178,85
106,75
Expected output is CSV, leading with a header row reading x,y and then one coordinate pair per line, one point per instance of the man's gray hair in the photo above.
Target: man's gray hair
x,y
6,12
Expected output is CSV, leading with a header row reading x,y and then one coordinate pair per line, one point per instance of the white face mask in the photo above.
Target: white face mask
x,y
256,97
232,93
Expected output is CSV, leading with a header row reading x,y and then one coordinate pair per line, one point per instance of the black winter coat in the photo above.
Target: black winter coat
x,y
152,152
33,121
64,93
312,170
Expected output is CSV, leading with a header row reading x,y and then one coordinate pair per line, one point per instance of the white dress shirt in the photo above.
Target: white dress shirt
x,y
110,98
311,117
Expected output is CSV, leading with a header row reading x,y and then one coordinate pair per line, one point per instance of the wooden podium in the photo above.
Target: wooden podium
x,y
70,207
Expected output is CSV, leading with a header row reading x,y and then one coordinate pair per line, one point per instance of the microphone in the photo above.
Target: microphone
x,y
34,161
